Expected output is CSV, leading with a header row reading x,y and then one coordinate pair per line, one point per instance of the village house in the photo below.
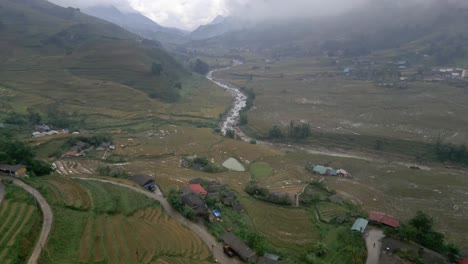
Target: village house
x,y
144,181
465,73
198,189
14,170
244,252
42,128
194,202
382,218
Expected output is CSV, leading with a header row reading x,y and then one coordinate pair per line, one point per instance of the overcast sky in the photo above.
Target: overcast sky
x,y
189,14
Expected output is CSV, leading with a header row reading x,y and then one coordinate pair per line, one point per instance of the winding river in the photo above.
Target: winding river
x,y
232,119
232,122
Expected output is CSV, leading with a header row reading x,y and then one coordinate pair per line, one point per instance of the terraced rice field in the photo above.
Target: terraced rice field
x,y
16,220
75,167
63,191
102,223
329,211
148,235
286,228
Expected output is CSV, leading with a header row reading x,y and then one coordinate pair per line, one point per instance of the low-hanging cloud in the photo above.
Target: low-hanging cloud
x,y
280,9
188,14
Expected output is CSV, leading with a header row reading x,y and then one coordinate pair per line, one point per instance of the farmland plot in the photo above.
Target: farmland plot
x,y
19,225
102,223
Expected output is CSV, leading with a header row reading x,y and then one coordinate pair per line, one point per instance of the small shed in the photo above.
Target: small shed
x,y
320,170
360,225
14,170
144,180
331,172
343,173
198,189
244,252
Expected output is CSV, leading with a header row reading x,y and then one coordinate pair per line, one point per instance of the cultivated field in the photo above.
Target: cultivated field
x,y
299,89
20,222
102,223
289,230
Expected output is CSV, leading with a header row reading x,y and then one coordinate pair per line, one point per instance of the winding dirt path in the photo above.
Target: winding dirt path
x,y
374,245
199,229
46,222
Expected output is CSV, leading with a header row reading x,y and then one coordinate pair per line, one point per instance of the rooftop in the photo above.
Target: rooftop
x,y
239,246
360,225
141,179
384,219
197,189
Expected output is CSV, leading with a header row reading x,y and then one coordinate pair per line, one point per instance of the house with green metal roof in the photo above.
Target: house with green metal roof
x,y
320,170
360,225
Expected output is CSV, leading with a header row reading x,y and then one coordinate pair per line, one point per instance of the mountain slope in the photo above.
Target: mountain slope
x,y
45,43
379,25
137,23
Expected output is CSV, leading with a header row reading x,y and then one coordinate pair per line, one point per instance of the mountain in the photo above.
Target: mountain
x,y
138,23
44,46
436,28
219,26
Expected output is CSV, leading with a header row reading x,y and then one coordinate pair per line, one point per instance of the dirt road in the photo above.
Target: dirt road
x,y
199,229
46,221
374,246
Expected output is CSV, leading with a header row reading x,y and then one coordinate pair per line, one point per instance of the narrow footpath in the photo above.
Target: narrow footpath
x,y
374,245
199,229
46,221
2,192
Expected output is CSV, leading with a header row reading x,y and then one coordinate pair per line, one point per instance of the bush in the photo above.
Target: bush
x,y
253,142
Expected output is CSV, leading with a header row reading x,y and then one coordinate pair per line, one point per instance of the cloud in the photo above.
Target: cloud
x,y
281,9
186,14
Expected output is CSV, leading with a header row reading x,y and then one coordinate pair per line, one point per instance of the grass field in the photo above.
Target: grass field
x,y
299,89
102,223
260,169
20,224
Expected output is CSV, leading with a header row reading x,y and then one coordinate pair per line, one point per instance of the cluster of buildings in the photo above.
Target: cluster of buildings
x,y
329,171
379,218
442,74
44,130
199,191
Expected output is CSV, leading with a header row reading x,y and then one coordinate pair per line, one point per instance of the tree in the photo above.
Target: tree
x,y
200,67
422,222
275,133
33,116
298,130
453,253
156,69
320,249
188,212
175,200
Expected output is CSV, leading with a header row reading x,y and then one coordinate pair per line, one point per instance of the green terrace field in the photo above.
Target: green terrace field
x,y
308,90
101,223
20,224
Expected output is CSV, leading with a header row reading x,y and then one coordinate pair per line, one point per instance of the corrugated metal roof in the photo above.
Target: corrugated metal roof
x,y
320,169
360,225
